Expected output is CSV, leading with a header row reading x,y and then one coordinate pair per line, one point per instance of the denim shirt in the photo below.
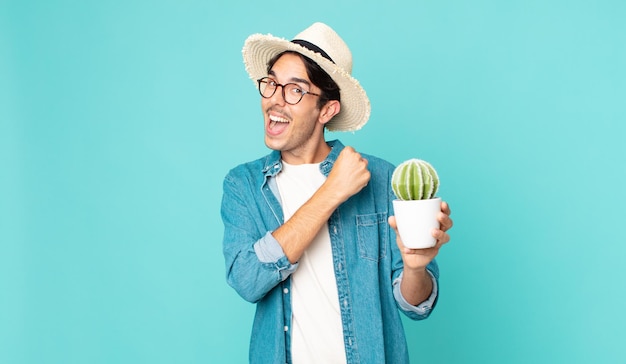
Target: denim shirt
x,y
366,259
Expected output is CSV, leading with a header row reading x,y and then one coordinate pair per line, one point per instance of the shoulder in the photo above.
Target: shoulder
x,y
255,166
378,164
244,177
373,161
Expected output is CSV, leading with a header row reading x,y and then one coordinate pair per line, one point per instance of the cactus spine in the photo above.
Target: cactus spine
x,y
414,179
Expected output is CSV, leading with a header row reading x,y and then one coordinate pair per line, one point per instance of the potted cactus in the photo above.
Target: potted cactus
x,y
415,184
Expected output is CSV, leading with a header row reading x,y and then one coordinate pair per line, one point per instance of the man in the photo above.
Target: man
x,y
309,235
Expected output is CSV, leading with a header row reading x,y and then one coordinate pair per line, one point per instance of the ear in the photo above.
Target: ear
x,y
329,110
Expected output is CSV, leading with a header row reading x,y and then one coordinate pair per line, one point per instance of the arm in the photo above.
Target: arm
x,y
257,259
348,176
417,283
253,265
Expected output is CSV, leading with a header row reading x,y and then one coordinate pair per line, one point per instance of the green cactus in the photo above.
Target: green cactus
x,y
414,179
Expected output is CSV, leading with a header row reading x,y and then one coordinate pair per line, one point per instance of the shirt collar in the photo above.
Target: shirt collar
x,y
273,165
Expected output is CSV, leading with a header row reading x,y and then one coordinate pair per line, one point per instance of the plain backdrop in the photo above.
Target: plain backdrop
x,y
119,120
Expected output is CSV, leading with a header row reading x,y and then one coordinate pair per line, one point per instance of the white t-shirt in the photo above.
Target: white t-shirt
x,y
316,329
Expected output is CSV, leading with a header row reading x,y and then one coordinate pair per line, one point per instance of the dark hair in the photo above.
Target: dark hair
x,y
317,75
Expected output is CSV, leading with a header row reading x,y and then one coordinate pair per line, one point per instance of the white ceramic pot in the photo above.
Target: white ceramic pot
x,y
416,220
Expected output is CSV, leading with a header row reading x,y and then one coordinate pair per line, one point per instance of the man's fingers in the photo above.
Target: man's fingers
x,y
445,208
441,236
445,221
392,222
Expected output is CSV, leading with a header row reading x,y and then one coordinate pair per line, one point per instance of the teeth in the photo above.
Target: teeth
x,y
278,119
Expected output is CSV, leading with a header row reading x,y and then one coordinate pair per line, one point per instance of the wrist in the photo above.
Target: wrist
x,y
331,195
416,271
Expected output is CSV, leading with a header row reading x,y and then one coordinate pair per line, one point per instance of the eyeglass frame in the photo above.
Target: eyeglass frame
x,y
266,79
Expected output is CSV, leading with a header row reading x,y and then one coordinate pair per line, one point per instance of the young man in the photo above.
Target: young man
x,y
309,235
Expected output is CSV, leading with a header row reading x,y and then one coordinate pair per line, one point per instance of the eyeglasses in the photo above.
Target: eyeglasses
x,y
292,93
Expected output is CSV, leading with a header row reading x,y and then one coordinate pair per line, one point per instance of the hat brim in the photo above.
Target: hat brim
x,y
258,49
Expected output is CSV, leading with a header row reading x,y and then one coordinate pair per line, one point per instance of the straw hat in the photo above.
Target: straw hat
x,y
324,46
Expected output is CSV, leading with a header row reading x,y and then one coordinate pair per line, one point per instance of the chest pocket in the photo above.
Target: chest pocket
x,y
372,235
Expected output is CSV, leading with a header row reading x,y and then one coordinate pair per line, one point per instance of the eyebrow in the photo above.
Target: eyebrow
x,y
293,79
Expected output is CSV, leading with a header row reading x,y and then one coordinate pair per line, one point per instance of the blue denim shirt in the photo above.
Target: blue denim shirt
x,y
367,262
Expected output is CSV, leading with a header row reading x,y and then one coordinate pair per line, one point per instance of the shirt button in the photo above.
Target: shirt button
x,y
286,328
286,290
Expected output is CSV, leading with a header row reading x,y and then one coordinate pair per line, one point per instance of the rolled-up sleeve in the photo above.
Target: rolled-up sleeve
x,y
255,262
422,310
269,251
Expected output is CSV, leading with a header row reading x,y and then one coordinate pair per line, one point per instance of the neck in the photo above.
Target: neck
x,y
314,154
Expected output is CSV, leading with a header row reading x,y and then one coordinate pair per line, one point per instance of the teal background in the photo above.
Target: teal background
x,y
119,119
